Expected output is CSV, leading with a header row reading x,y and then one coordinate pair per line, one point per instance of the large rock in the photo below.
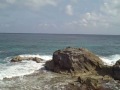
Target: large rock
x,y
20,58
74,59
116,70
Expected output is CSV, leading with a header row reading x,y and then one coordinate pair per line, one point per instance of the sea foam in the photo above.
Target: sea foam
x,y
10,70
110,60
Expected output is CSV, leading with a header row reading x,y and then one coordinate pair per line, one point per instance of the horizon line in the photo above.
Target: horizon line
x,y
59,33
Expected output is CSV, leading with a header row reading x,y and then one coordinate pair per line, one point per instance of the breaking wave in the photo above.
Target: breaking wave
x,y
110,60
10,70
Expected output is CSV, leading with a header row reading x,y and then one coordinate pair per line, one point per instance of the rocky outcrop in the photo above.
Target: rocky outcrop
x,y
116,70
91,82
89,69
94,82
19,59
74,60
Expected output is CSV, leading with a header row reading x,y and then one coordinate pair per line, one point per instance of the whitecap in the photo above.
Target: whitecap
x,y
44,57
10,70
110,60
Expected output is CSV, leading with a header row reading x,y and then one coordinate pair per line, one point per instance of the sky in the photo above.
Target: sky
x,y
60,16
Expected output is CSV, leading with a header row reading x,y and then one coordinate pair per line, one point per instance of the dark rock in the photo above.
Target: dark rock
x,y
49,65
106,70
116,70
74,60
19,59
117,63
16,59
38,60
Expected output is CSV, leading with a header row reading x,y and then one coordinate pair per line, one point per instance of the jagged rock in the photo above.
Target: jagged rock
x,y
94,82
19,59
116,70
74,59
89,82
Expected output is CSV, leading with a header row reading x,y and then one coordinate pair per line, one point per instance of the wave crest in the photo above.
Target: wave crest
x,y
110,60
10,70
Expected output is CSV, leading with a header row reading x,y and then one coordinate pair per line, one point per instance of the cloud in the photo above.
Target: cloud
x,y
107,16
39,3
33,4
92,19
111,7
89,20
105,19
69,10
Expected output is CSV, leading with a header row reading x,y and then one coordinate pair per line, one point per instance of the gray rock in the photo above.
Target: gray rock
x,y
116,70
19,59
74,60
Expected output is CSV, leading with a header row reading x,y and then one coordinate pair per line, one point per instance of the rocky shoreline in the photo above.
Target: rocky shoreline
x,y
87,71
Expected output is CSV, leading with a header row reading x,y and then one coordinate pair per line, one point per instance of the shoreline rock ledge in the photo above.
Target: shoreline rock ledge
x,y
87,69
76,60
20,58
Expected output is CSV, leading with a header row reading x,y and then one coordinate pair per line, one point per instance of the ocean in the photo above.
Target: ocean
x,y
107,47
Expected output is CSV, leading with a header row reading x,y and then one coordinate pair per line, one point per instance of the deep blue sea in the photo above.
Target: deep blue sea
x,y
107,47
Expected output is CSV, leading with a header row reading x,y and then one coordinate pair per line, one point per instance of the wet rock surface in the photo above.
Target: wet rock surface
x,y
19,59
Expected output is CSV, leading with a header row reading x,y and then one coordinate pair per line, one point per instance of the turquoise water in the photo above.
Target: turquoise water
x,y
107,47
16,44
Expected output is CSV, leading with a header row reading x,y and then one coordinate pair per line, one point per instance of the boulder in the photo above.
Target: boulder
x,y
116,70
19,59
74,60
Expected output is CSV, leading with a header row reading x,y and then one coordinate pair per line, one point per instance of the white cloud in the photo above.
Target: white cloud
x,y
94,19
34,4
39,3
111,9
69,10
89,20
107,17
